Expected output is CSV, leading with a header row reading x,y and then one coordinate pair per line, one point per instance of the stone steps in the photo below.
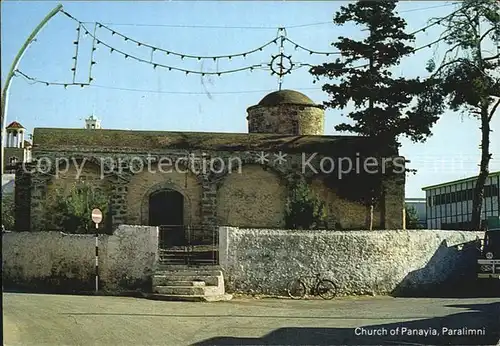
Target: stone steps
x,y
173,280
185,283
189,290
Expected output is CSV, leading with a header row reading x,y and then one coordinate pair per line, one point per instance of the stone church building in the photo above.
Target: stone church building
x,y
209,179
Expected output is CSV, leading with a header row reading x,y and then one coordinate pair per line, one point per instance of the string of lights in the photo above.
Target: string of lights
x,y
244,54
440,20
189,56
281,32
32,80
38,81
75,58
170,52
169,68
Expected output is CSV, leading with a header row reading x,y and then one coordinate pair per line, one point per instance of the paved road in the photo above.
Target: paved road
x,y
36,319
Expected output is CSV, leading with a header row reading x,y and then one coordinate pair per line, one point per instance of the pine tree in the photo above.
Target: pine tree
x,y
384,106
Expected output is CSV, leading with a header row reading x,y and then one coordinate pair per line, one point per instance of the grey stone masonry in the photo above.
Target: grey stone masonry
x,y
120,161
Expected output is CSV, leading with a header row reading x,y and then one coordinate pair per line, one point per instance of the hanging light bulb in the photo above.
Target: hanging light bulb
x,y
126,56
245,55
65,86
111,50
215,58
138,44
187,72
199,58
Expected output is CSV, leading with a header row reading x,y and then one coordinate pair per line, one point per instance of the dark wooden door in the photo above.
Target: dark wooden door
x,y
166,210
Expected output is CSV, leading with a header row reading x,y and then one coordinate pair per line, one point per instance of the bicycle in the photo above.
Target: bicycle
x,y
325,288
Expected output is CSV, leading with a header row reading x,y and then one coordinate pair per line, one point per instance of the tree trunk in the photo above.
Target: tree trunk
x,y
477,201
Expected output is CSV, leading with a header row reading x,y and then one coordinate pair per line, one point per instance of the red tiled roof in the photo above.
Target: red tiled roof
x,y
15,125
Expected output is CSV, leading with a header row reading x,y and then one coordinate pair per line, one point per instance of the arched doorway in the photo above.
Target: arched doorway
x,y
166,209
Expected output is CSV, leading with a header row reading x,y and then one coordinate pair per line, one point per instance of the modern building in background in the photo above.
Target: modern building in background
x,y
449,205
419,205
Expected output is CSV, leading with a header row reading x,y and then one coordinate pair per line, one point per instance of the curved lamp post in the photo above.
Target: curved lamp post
x,y
15,63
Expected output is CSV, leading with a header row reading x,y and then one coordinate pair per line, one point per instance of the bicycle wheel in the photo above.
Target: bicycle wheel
x,y
296,289
326,289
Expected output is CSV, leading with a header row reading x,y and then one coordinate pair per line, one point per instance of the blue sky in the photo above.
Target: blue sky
x,y
172,101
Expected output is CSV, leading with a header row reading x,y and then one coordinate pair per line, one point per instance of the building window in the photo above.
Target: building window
x,y
295,127
13,160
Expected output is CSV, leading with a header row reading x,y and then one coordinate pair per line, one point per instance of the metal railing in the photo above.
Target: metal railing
x,y
188,245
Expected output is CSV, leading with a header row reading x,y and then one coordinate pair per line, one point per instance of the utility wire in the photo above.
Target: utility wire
x,y
251,27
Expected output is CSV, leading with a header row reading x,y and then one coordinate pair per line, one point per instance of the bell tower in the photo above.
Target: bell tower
x,y
92,123
17,148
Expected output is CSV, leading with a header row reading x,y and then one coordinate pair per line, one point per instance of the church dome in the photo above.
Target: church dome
x,y
286,97
287,112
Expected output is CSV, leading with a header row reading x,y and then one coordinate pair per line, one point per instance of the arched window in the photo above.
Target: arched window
x,y
13,160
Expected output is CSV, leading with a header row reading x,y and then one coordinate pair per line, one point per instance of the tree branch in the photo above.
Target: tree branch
x,y
444,65
486,34
493,110
492,57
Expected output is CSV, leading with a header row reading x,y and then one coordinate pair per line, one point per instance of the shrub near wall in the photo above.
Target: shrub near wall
x,y
58,262
360,262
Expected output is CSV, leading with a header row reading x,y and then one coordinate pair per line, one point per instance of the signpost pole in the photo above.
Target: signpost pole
x,y
96,218
96,257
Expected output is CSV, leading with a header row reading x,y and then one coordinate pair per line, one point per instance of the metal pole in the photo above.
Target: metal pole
x,y
96,257
15,63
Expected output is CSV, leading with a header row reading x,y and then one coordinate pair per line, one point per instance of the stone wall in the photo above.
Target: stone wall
x,y
287,119
360,262
54,261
